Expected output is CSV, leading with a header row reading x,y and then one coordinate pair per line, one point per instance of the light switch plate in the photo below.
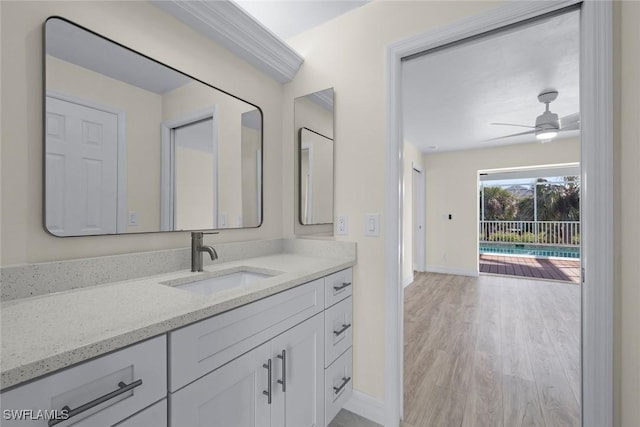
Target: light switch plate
x,y
132,218
342,225
372,224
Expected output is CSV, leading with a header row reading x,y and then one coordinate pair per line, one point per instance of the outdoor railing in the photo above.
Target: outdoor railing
x,y
557,233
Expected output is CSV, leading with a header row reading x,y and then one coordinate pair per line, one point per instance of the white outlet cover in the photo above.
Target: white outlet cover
x,y
342,225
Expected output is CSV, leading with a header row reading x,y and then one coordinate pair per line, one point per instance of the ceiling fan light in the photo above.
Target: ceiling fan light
x,y
546,134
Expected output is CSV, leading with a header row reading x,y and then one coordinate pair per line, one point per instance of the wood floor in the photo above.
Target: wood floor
x,y
566,269
491,351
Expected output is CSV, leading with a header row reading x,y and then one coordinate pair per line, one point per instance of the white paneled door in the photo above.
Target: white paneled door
x,y
81,169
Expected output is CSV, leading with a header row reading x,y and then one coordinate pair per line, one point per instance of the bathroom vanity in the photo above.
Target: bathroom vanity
x,y
273,350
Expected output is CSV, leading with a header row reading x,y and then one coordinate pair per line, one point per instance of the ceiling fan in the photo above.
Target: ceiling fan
x,y
548,125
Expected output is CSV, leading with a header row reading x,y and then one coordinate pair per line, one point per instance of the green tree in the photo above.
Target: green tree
x,y
499,204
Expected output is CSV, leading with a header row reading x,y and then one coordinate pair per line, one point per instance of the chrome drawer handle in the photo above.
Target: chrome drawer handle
x,y
80,409
283,381
345,381
344,328
341,287
267,392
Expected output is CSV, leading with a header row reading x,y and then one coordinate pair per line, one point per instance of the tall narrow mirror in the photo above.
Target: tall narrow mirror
x,y
133,145
315,157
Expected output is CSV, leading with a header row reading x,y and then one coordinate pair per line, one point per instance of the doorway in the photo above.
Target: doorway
x,y
597,154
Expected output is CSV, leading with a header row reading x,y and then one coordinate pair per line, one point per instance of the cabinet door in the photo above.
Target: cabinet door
x,y
229,396
299,400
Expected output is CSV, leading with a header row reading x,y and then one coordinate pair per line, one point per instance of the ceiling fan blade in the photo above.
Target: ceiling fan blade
x,y
512,135
571,126
512,124
571,118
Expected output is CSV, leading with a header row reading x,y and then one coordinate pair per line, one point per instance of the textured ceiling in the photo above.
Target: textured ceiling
x,y
450,96
288,18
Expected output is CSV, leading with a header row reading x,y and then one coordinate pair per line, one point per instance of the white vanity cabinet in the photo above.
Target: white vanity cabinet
x,y
283,361
279,383
101,392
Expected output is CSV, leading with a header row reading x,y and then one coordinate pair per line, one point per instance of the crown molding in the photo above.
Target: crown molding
x,y
229,25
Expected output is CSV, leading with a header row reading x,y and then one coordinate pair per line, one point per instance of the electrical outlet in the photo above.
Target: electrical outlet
x,y
342,225
132,218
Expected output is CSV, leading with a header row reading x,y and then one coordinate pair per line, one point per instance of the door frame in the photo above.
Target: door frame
x,y
167,165
121,203
596,109
420,235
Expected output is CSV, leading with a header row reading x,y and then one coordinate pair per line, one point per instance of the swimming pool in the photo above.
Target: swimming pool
x,y
530,250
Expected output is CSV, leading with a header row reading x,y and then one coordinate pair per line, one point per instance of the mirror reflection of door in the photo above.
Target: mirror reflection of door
x,y
316,177
306,184
82,168
195,189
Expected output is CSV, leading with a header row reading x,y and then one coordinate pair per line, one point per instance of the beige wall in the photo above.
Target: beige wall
x,y
627,214
312,116
194,195
143,111
412,156
452,188
348,54
148,30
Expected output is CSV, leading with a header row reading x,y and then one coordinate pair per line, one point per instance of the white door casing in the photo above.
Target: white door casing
x,y
83,175
167,166
418,216
596,110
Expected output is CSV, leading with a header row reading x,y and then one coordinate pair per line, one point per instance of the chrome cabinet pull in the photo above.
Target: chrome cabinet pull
x,y
283,356
267,392
341,287
82,408
345,326
345,381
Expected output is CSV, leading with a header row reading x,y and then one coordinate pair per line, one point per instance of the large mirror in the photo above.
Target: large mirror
x,y
132,145
314,124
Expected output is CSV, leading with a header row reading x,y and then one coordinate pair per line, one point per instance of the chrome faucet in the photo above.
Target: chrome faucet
x,y
197,247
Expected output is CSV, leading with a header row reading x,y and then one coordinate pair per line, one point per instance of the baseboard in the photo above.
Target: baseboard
x,y
407,281
366,406
450,270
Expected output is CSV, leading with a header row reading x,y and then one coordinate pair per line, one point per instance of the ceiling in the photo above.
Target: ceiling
x,y
451,95
288,18
77,46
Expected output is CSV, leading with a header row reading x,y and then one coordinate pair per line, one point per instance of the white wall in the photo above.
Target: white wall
x,y
412,156
452,188
348,54
148,30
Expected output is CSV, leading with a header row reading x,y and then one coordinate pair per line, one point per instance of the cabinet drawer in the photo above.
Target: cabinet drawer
x,y
141,369
155,416
198,349
338,383
338,286
338,330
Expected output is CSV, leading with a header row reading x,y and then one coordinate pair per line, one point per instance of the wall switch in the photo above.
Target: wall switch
x,y
132,218
342,225
371,224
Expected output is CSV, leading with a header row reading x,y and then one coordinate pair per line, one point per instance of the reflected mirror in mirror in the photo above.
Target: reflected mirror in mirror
x,y
314,121
132,145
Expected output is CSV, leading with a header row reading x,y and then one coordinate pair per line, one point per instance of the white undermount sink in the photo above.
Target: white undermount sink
x,y
223,282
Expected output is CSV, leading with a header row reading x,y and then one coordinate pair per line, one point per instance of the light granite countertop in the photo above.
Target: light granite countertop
x,y
45,333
